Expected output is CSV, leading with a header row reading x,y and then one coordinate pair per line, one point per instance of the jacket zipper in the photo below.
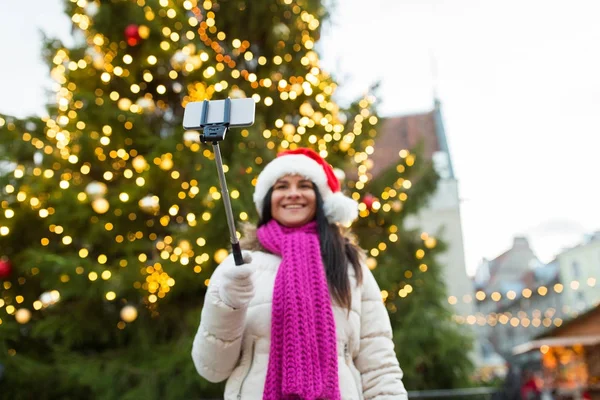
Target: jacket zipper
x,y
239,396
347,359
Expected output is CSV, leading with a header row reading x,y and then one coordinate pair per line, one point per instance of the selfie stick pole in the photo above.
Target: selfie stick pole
x,y
215,133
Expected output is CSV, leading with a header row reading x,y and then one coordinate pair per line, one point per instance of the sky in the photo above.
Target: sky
x,y
518,82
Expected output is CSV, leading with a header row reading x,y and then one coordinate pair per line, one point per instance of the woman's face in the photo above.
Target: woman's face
x,y
293,202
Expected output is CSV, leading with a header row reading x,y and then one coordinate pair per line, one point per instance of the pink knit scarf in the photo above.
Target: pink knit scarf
x,y
303,354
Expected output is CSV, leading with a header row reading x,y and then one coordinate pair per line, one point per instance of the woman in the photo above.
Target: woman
x,y
303,318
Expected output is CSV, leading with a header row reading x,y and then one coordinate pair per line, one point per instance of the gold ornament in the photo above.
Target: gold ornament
x,y
91,9
144,31
179,58
185,246
95,189
129,313
166,164
288,129
150,204
237,93
146,104
177,87
430,242
23,315
195,61
282,31
49,298
313,58
191,136
124,104
96,56
100,205
139,163
306,109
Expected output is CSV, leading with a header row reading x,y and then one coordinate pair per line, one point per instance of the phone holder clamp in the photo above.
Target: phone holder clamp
x,y
214,132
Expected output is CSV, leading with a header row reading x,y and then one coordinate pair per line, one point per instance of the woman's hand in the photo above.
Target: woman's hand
x,y
237,287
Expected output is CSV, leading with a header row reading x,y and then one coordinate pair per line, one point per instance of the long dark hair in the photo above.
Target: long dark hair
x,y
336,249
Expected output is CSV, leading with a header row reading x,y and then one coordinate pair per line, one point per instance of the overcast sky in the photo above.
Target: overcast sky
x,y
519,84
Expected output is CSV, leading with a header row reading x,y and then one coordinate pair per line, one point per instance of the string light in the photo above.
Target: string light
x,y
558,288
511,321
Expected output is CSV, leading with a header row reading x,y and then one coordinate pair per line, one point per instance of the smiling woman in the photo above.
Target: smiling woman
x,y
308,276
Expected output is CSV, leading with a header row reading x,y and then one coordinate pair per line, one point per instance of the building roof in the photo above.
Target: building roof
x,y
583,330
591,239
406,132
563,341
511,268
586,324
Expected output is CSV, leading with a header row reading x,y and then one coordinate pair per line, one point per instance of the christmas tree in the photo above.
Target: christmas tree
x,y
112,220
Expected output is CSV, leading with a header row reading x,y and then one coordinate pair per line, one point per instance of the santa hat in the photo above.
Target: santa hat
x,y
307,163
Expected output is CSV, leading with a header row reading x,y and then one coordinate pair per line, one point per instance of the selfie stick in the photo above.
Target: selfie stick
x,y
215,133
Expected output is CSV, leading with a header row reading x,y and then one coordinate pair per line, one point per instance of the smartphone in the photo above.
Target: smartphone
x,y
241,113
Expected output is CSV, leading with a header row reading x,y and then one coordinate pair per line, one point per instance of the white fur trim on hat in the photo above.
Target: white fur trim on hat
x,y
337,207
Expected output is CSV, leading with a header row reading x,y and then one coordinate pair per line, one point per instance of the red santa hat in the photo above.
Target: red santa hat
x,y
309,164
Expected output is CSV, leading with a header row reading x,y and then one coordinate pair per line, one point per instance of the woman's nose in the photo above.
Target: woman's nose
x,y
293,192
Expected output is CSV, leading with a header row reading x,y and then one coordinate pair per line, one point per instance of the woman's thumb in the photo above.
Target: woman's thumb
x,y
247,257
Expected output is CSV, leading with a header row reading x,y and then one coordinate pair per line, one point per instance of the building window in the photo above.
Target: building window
x,y
576,269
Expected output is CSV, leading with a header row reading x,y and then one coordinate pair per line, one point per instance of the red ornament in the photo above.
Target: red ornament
x,y
5,268
132,34
369,199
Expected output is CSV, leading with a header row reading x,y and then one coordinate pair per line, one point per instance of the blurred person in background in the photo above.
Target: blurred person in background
x,y
531,386
512,383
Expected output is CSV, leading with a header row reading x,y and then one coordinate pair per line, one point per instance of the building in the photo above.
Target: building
x,y
515,297
507,271
521,316
579,271
520,299
442,215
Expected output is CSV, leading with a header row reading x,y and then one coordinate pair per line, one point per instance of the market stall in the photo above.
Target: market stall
x,y
570,356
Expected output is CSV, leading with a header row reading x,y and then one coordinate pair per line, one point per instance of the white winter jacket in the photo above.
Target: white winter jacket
x,y
234,344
